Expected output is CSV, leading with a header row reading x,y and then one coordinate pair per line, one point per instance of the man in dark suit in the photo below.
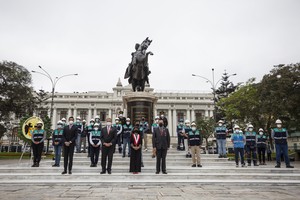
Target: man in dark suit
x,y
69,138
108,139
161,144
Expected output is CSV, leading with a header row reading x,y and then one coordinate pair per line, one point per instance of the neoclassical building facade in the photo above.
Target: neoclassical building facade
x,y
176,105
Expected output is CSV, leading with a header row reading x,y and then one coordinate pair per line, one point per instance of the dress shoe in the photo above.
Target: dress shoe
x,y
92,165
54,165
277,166
64,172
109,172
34,165
165,173
199,165
70,172
103,172
289,166
156,172
142,165
194,165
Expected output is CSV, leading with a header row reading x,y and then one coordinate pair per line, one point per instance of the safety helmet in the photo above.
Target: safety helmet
x,y
117,119
156,117
97,117
181,120
96,124
63,119
92,120
193,124
78,118
250,126
187,121
278,121
236,127
39,122
221,121
60,122
128,119
83,120
259,130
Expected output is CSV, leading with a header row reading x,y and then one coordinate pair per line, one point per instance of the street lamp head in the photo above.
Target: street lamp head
x,y
40,67
76,74
233,74
33,71
193,74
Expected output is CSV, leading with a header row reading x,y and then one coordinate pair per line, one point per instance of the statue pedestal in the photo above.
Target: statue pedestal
x,y
138,105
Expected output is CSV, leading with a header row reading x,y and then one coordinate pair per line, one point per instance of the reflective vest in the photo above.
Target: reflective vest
x,y
221,132
127,130
38,135
238,140
194,138
262,141
280,136
58,135
117,126
250,138
187,129
179,129
96,136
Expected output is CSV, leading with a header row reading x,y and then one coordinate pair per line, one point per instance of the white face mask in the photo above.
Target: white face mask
x,y
59,126
127,123
92,123
237,131
156,121
193,128
188,125
180,123
261,133
120,115
96,128
220,124
71,122
250,129
108,123
279,125
78,120
162,116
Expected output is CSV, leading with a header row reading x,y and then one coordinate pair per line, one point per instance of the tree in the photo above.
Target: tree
x,y
206,126
16,93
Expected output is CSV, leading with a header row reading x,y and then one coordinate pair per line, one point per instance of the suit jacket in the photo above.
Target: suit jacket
x,y
108,138
70,134
161,140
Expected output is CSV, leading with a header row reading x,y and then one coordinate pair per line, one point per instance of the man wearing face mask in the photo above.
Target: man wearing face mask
x,y
127,128
37,138
155,124
119,128
238,140
108,139
261,146
69,137
251,139
144,128
122,119
95,145
64,121
180,136
57,141
89,129
83,135
79,126
163,117
194,141
161,144
186,129
280,135
220,134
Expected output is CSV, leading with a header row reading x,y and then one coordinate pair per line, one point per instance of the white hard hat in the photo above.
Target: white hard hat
x,y
96,124
250,126
92,120
39,122
63,119
59,122
261,130
78,117
236,126
220,121
156,117
128,119
97,117
278,121
193,124
117,119
187,121
83,120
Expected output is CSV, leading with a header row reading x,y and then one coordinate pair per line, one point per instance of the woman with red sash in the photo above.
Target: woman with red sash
x,y
135,156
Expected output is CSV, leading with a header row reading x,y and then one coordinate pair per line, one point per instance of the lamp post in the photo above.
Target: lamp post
x,y
53,84
213,87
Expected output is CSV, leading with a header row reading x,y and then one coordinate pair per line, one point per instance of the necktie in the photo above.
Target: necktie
x,y
108,130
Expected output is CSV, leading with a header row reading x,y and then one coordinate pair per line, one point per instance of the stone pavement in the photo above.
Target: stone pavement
x,y
217,179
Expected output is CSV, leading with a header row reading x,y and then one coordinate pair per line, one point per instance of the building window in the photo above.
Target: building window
x,y
198,115
63,114
83,114
180,116
103,116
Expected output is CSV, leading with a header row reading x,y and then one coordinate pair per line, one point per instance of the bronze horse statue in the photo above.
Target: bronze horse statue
x,y
138,70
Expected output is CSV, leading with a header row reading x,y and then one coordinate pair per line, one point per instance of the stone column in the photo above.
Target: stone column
x,y
75,113
193,115
95,113
188,114
109,113
211,113
155,112
206,113
89,116
69,113
170,122
174,122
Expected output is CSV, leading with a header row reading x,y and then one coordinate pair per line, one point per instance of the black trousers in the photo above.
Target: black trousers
x,y
107,153
261,154
94,154
68,157
161,155
37,150
239,152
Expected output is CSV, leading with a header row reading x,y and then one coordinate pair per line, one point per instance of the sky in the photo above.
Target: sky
x,y
95,38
